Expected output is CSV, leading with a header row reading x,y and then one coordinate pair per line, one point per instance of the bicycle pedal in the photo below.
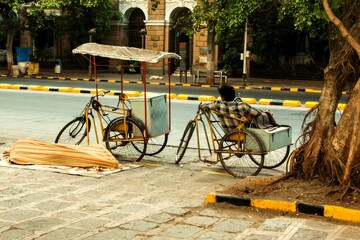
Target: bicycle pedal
x,y
209,161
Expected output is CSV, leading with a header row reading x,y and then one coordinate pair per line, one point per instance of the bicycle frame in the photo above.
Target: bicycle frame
x,y
103,110
240,151
214,134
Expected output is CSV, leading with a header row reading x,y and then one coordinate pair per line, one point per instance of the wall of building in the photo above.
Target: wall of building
x,y
160,36
158,24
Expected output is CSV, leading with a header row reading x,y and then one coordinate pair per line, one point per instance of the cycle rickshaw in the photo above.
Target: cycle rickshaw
x,y
136,126
243,151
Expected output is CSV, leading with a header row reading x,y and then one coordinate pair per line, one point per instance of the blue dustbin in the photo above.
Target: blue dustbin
x,y
58,66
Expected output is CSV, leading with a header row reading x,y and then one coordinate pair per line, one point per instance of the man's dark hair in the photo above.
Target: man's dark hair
x,y
227,92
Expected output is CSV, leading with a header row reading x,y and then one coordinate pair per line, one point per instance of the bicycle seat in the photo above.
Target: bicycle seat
x,y
96,105
123,96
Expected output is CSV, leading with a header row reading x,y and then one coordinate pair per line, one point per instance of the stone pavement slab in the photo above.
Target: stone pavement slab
x,y
158,201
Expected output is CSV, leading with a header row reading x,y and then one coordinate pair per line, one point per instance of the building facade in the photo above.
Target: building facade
x,y
154,29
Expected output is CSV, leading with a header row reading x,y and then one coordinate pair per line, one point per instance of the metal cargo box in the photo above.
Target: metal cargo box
x,y
156,113
273,138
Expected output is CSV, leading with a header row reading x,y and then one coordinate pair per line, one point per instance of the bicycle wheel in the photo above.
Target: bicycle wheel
x,y
126,140
275,158
236,151
156,145
184,141
73,132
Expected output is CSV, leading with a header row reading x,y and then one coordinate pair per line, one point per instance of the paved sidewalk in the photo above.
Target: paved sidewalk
x,y
156,201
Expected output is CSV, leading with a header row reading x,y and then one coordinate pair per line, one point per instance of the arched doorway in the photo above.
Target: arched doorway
x,y
179,42
136,23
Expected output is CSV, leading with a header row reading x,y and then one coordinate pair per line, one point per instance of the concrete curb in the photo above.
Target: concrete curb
x,y
330,211
285,103
205,98
291,89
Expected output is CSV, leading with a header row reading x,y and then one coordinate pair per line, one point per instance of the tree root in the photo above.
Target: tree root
x,y
282,178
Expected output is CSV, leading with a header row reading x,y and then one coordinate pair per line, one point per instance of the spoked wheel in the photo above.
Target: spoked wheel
x,y
156,144
236,151
275,158
73,132
184,141
125,140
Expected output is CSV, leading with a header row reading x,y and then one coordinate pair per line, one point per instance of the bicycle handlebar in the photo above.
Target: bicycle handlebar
x,y
104,93
201,109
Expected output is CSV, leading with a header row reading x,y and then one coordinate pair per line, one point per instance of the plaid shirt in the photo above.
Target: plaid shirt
x,y
230,110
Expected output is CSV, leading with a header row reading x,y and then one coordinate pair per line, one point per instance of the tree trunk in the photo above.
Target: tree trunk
x,y
333,151
346,141
9,49
210,66
322,130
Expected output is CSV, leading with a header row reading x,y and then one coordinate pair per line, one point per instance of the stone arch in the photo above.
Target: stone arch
x,y
172,6
128,10
178,41
135,20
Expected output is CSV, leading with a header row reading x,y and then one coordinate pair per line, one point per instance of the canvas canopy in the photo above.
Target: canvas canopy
x,y
124,53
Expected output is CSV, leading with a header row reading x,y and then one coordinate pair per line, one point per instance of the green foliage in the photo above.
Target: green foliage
x,y
220,16
272,39
154,4
78,17
8,16
273,26
308,15
117,16
40,21
230,61
13,4
227,18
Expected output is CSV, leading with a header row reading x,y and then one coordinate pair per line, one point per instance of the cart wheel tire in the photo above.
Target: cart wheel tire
x,y
275,158
237,149
184,141
156,144
126,141
73,132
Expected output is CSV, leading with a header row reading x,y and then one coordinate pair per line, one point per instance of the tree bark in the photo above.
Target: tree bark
x,y
322,129
210,66
9,51
346,141
333,150
340,26
344,151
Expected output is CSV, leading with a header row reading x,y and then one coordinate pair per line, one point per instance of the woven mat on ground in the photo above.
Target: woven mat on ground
x,y
92,160
80,171
33,151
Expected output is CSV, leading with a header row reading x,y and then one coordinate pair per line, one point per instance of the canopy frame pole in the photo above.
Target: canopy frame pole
x,y
121,79
95,78
143,68
169,91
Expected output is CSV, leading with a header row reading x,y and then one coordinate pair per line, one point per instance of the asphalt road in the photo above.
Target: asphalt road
x,y
193,90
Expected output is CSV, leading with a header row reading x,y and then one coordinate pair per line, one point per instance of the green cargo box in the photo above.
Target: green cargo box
x,y
273,138
157,118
